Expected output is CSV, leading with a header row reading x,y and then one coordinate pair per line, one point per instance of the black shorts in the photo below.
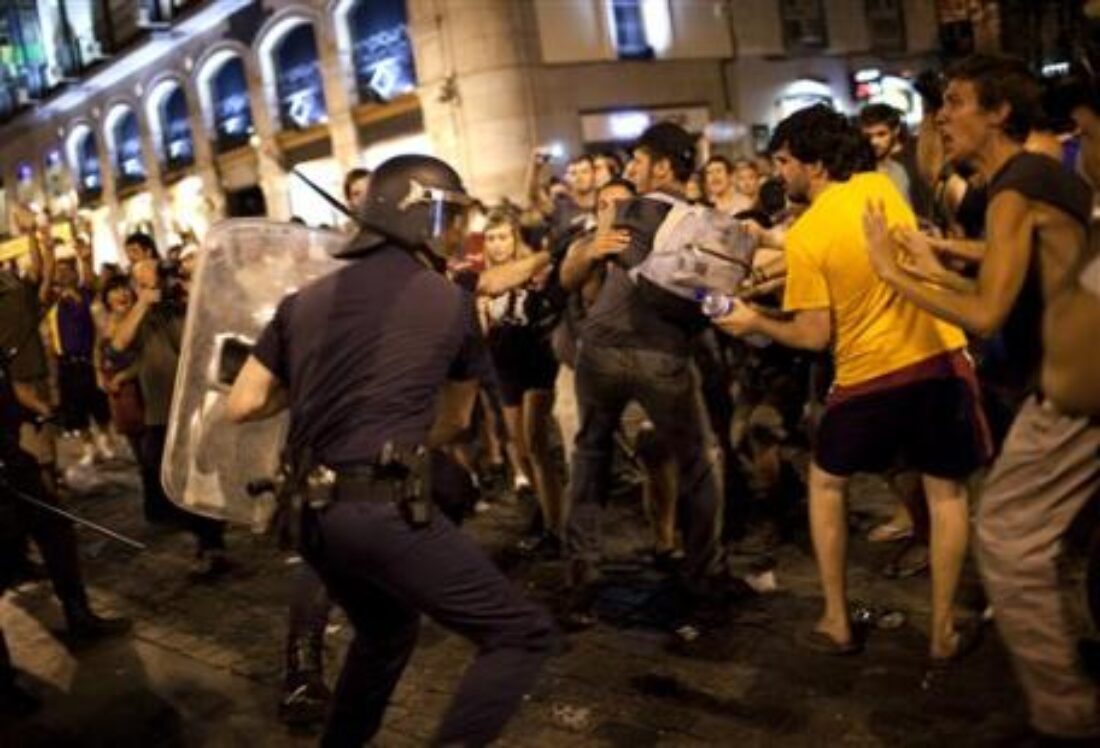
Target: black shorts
x,y
932,426
530,365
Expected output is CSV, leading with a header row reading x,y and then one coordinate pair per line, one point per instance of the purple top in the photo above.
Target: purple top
x,y
74,327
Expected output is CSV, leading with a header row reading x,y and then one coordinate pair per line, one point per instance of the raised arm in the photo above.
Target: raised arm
x,y
506,276
585,254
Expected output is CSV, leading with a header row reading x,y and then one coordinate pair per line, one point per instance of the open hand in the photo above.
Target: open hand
x,y
880,247
608,244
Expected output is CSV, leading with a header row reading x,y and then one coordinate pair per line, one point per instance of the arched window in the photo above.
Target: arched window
x,y
125,138
223,87
83,153
177,143
298,81
382,55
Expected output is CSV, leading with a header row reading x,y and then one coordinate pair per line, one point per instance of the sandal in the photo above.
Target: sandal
x,y
822,643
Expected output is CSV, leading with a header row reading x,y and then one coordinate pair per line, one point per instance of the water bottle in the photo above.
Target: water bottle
x,y
714,304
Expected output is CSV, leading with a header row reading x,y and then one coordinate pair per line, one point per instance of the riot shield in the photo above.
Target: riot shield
x,y
245,268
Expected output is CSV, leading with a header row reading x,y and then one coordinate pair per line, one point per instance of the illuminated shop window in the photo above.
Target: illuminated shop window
x,y
298,80
84,161
381,52
232,108
126,137
175,130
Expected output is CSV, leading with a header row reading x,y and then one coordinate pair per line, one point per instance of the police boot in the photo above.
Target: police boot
x,y
84,625
305,696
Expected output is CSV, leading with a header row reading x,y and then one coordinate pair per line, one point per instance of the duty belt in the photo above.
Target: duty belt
x,y
367,483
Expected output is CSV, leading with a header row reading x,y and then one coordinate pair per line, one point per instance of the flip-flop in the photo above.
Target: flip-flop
x,y
822,643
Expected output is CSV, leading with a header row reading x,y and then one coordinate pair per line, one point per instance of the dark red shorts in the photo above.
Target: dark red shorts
x,y
934,426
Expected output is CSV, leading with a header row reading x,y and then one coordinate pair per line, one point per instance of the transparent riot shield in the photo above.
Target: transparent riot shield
x,y
245,268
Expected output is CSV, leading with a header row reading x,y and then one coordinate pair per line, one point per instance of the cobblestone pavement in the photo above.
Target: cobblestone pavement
x,y
203,664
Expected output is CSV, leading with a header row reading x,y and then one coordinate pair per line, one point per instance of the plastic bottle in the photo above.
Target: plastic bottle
x,y
714,304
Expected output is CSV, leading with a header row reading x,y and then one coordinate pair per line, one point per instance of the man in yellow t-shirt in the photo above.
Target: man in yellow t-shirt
x,y
904,392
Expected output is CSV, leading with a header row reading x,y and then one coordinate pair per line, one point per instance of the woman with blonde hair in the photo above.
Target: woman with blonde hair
x,y
517,325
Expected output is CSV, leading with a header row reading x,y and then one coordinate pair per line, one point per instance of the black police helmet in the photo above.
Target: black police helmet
x,y
413,201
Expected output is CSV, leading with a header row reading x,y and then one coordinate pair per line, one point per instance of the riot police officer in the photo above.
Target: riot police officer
x,y
377,362
20,478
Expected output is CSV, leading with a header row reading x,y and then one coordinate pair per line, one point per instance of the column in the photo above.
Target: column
x,y
338,99
271,177
109,195
475,90
204,153
150,153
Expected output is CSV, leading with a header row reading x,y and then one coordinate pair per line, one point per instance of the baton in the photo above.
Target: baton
x,y
325,195
72,517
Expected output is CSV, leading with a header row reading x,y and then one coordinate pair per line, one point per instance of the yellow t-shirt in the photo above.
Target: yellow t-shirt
x,y
875,330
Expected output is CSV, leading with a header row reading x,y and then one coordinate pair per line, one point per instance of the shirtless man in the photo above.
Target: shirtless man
x,y
1036,238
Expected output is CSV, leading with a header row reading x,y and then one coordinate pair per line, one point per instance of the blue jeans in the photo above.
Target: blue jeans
x,y
664,385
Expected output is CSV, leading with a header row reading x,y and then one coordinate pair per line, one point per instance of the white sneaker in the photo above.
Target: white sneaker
x,y
104,451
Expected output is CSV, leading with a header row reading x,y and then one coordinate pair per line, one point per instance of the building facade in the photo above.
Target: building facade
x,y
155,114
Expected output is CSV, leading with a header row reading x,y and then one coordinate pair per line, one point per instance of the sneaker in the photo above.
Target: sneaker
x,y
104,452
522,487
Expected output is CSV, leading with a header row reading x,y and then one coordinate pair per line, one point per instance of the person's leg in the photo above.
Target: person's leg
x,y
665,387
56,541
829,531
157,506
566,411
1046,473
386,630
537,424
950,531
368,548
601,398
659,488
516,446
305,697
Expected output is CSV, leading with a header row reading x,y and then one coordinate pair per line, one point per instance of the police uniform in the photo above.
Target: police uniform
x,y
19,473
363,354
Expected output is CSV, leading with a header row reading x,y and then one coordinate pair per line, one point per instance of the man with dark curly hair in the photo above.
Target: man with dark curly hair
x,y
904,389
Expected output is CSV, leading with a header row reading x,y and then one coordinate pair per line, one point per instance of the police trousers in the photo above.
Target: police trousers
x,y
1047,472
384,574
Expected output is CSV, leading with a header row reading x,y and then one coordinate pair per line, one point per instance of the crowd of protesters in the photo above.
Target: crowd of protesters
x,y
917,309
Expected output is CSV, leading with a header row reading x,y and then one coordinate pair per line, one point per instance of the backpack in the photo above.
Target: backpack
x,y
687,252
